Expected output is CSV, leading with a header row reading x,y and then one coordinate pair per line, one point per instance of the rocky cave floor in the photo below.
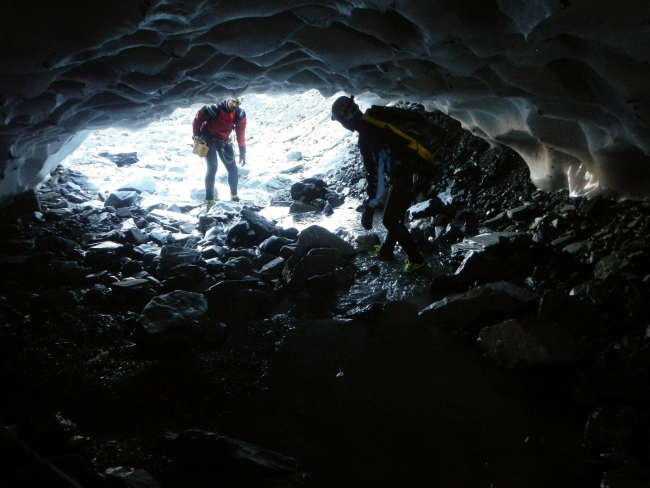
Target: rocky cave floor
x,y
519,358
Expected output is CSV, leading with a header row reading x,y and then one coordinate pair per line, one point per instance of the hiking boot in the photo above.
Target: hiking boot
x,y
209,203
411,267
382,255
234,198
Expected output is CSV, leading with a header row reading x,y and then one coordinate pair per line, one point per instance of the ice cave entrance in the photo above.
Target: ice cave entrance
x,y
288,138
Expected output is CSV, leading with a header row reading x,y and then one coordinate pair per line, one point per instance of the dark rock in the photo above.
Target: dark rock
x,y
610,266
67,273
345,276
131,478
299,207
135,236
250,304
595,290
222,295
516,344
22,467
273,244
319,261
216,234
187,228
335,200
626,477
121,159
496,221
428,208
184,277
60,297
579,317
579,247
593,207
522,212
119,199
131,286
238,268
317,236
21,204
241,235
172,322
238,462
564,240
97,296
76,466
444,285
241,253
273,270
213,252
502,240
261,226
308,190
213,266
626,377
262,260
613,432
321,284
124,212
161,236
485,268
171,256
57,244
287,251
464,309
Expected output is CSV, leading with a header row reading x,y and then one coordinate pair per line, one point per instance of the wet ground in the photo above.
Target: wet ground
x,y
397,403
387,402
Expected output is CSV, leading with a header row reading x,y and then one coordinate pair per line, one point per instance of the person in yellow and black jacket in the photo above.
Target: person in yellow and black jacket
x,y
214,125
389,155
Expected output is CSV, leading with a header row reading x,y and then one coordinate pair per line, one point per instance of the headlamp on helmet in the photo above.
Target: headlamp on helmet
x,y
233,103
344,108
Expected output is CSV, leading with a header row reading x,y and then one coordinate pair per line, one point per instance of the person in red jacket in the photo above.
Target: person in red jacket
x,y
214,124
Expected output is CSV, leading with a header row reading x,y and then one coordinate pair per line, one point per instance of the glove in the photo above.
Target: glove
x,y
366,217
242,155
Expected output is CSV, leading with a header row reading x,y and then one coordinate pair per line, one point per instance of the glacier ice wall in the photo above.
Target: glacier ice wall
x,y
564,83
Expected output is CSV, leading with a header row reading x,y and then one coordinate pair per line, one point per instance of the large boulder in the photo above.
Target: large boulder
x,y
516,344
317,236
172,322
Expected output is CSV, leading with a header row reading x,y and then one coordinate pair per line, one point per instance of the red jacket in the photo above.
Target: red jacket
x,y
215,120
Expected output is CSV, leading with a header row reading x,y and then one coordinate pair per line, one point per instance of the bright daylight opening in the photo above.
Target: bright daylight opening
x,y
288,139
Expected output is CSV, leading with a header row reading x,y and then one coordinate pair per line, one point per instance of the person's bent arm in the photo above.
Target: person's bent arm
x,y
199,119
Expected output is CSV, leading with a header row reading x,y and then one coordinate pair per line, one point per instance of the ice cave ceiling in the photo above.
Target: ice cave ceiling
x,y
563,82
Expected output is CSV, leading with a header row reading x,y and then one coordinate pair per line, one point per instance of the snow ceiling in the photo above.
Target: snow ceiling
x,y
565,83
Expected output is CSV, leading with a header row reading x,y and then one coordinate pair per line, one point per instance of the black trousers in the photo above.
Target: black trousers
x,y
400,198
226,152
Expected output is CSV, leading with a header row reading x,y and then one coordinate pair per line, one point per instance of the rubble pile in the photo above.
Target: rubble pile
x,y
96,292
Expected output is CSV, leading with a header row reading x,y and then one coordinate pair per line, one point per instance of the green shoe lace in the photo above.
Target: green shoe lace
x,y
378,253
411,267
209,203
235,198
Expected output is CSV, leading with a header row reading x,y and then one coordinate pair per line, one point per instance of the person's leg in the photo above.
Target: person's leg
x,y
211,171
388,247
227,155
399,200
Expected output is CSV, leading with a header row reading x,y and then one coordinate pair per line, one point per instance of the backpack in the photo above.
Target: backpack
x,y
425,137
